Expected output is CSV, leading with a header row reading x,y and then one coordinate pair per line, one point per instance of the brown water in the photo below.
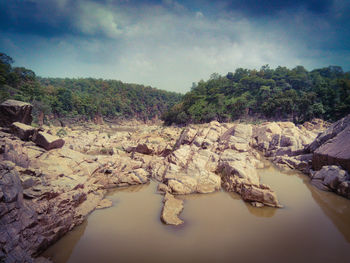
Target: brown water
x,y
314,226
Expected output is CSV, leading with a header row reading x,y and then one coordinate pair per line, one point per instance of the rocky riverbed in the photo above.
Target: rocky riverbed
x,y
49,184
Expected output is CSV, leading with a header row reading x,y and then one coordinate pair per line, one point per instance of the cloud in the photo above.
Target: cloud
x,y
94,19
170,44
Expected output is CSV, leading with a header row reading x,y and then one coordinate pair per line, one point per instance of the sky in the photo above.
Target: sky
x,y
169,44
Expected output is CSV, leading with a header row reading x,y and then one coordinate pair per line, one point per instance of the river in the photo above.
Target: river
x,y
313,226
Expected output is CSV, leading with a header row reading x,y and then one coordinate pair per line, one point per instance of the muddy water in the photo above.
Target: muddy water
x,y
313,226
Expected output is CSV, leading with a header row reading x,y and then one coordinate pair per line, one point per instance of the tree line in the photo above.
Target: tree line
x,y
276,94
65,97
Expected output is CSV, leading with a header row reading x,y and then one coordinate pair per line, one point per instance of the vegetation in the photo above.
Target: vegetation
x,y
280,94
294,94
82,97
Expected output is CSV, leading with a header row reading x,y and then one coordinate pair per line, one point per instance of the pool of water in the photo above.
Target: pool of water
x,y
313,226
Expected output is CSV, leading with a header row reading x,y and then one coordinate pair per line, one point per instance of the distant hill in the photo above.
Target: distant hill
x,y
280,94
64,97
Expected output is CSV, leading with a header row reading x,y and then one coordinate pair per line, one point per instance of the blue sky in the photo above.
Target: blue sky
x,y
170,44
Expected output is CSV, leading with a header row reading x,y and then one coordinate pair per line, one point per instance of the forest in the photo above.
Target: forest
x,y
294,94
85,97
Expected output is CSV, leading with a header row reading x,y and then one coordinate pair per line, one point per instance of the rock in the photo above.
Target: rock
x,y
47,141
300,162
186,137
171,209
140,148
143,148
334,151
163,188
22,131
242,178
331,177
344,189
335,129
15,111
243,131
104,203
257,204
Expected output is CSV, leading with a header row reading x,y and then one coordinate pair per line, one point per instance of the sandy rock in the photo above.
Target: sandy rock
x,y
47,141
104,203
15,111
242,178
171,209
163,188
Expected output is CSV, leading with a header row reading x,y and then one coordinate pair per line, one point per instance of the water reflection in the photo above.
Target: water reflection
x,y
262,211
256,211
335,207
63,249
127,189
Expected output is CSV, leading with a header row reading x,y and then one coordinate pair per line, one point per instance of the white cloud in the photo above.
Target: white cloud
x,y
96,19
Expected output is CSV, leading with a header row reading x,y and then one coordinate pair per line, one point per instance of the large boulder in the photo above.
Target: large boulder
x,y
332,178
335,129
15,111
22,131
335,151
47,141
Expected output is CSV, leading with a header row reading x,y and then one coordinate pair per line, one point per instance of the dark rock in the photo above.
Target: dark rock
x,y
335,151
47,141
331,178
140,148
15,111
22,131
330,133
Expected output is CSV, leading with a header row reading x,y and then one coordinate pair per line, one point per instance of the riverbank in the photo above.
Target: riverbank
x,y
50,188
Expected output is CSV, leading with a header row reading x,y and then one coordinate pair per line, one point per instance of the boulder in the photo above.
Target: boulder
x,y
15,111
335,129
171,209
22,131
47,141
242,178
335,151
329,178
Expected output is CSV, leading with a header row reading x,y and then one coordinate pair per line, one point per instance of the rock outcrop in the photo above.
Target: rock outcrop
x,y
214,155
15,111
47,190
171,209
285,143
44,194
332,147
34,215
